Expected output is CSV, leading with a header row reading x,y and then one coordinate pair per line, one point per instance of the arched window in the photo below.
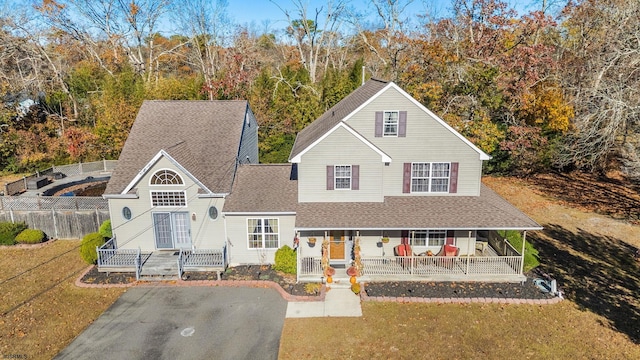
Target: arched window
x,y
166,177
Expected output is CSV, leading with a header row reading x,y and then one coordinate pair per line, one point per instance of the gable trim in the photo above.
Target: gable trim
x,y
152,162
483,155
384,157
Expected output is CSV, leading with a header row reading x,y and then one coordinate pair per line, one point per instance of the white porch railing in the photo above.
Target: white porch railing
x,y
202,258
441,265
310,266
109,256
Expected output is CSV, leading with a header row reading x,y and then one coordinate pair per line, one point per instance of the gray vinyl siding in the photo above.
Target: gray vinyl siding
x,y
340,148
239,251
249,140
426,141
138,232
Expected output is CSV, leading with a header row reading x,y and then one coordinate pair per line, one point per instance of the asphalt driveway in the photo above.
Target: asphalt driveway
x,y
185,323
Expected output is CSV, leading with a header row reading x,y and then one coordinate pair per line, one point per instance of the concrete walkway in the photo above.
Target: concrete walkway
x,y
338,302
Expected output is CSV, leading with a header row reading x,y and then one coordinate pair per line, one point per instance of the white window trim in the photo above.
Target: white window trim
x,y
335,177
430,178
168,191
263,247
166,169
384,119
412,234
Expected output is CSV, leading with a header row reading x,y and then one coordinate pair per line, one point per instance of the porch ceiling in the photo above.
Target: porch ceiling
x,y
487,211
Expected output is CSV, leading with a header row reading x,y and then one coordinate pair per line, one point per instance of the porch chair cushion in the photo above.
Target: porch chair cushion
x,y
449,250
402,250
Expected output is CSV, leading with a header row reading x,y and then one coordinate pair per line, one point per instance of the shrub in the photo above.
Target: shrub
x,y
31,236
88,247
514,238
312,288
105,229
9,231
285,260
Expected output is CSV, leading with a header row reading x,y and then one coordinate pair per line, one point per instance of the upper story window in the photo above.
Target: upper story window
x,y
168,198
430,177
166,177
343,177
390,123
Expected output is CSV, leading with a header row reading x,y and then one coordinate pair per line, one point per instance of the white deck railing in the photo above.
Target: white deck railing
x,y
109,256
310,266
203,258
441,265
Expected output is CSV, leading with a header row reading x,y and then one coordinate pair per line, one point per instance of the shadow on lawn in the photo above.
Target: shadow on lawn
x,y
599,273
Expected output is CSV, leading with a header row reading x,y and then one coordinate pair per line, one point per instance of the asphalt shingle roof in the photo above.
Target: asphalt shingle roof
x,y
333,116
203,136
487,211
263,188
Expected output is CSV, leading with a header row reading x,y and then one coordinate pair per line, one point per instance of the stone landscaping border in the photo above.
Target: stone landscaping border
x,y
365,297
285,295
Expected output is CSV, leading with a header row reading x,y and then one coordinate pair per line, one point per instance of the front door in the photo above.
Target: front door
x,y
336,245
171,230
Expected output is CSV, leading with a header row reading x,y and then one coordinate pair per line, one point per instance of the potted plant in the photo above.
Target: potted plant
x,y
385,239
311,241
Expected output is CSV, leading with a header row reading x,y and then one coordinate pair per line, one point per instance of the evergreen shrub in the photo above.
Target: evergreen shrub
x,y
9,231
31,236
88,247
285,260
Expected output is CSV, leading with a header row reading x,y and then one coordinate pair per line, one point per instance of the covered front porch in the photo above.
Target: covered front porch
x,y
159,264
487,257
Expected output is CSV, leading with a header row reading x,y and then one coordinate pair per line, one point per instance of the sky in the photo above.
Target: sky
x,y
265,14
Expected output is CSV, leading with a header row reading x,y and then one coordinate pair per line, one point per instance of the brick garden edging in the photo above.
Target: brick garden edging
x,y
228,283
365,297
285,295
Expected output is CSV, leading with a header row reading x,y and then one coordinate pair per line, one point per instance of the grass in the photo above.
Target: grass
x,y
448,331
41,309
530,253
591,256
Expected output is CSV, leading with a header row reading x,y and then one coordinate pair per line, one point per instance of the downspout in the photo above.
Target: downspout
x,y
524,239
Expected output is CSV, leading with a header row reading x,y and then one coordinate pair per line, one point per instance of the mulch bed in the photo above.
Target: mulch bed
x,y
528,290
96,277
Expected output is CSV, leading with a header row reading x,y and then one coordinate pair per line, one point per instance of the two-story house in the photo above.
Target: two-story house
x,y
375,171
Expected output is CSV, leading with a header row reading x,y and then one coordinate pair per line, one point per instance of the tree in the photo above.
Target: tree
x,y
314,35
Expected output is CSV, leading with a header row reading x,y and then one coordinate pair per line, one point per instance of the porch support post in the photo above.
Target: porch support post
x,y
298,258
468,251
328,248
524,239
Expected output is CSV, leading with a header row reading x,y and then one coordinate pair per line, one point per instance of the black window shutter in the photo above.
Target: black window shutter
x,y
355,177
406,178
453,178
402,124
378,123
329,177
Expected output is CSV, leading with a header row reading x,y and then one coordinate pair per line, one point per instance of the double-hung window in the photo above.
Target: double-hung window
x,y
343,177
390,125
263,233
430,177
429,237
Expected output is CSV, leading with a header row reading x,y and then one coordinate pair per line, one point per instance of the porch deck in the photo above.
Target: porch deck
x,y
483,266
159,263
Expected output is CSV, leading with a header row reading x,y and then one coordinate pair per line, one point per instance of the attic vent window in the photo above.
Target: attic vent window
x,y
166,177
